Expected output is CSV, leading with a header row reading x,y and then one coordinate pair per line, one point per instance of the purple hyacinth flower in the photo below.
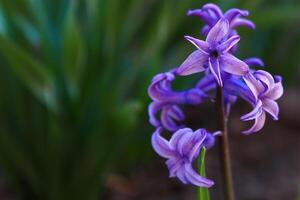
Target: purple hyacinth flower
x,y
213,54
266,91
171,117
180,151
211,14
160,90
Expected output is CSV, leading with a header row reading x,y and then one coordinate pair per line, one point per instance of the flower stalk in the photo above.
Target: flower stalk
x,y
224,147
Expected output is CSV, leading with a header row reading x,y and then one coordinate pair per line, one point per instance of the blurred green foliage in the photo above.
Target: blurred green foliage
x,y
74,76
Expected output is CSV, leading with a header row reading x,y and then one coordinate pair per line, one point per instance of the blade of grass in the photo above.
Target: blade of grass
x,y
203,193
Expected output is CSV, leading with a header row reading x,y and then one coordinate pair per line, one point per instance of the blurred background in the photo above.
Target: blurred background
x,y
73,100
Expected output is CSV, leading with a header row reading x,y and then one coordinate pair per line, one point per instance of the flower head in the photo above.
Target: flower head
x,y
266,90
213,54
171,117
180,152
211,14
160,90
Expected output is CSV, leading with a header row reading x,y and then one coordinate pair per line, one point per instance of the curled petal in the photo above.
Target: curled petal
x,y
233,13
194,96
213,9
277,78
173,165
275,92
160,144
168,116
209,141
215,70
183,145
271,107
195,178
160,88
228,44
182,176
235,86
218,32
176,113
199,44
196,143
258,124
242,22
205,30
254,113
254,85
265,77
153,108
232,65
254,62
177,136
202,15
194,63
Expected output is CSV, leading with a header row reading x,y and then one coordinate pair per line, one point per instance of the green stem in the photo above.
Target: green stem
x,y
203,193
224,147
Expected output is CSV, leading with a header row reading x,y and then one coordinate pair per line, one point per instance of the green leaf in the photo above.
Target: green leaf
x,y
276,15
34,74
203,193
73,50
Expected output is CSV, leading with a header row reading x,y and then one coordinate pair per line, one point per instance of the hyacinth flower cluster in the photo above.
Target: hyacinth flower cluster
x,y
215,57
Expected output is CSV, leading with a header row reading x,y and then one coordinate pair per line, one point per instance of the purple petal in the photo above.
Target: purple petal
x,y
237,87
177,136
254,85
160,145
209,141
205,30
195,178
173,165
233,13
232,65
242,22
195,12
218,32
277,78
215,70
199,44
194,96
271,107
228,44
194,63
202,15
206,83
167,121
176,113
184,144
197,140
213,8
275,92
254,113
258,124
153,108
181,175
254,62
265,77
160,88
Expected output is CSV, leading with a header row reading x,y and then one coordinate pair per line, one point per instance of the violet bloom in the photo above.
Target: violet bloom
x,y
180,152
171,116
211,14
160,90
266,91
213,54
